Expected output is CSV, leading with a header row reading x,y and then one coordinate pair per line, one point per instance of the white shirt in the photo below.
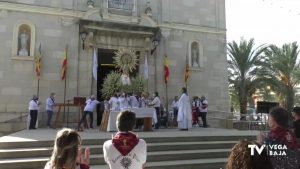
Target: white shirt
x,y
156,102
201,103
49,104
114,158
123,103
175,104
91,105
33,105
134,102
114,103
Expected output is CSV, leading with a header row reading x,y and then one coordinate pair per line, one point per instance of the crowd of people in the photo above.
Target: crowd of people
x,y
183,116
126,150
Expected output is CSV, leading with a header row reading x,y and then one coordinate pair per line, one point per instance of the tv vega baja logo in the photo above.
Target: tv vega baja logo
x,y
272,150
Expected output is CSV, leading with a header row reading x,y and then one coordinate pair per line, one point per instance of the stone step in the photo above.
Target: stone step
x,y
216,163
48,143
97,159
97,149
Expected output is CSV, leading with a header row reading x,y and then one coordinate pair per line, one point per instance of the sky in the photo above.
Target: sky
x,y
267,21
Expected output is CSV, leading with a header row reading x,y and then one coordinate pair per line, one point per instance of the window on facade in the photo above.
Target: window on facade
x,y
121,4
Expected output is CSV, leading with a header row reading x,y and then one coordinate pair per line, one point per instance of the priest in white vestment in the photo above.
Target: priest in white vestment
x,y
184,117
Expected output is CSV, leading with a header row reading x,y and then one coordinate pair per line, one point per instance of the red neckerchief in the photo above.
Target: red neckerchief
x,y
284,136
125,142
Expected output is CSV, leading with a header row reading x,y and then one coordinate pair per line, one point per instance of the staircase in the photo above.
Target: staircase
x,y
164,152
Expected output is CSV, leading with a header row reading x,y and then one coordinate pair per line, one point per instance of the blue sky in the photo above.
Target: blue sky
x,y
267,21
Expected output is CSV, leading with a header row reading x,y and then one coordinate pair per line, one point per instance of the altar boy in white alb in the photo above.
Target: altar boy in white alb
x,y
184,117
125,150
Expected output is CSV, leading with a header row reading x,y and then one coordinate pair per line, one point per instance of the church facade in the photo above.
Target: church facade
x,y
186,31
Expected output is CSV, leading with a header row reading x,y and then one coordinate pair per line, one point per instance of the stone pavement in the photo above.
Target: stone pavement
x,y
49,134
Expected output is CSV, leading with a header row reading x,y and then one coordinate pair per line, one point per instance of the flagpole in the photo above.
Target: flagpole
x,y
38,87
186,63
65,89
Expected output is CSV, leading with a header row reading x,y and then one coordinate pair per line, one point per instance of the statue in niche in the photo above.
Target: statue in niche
x,y
24,42
195,55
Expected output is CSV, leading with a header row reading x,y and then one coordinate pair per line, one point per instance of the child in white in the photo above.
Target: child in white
x,y
125,150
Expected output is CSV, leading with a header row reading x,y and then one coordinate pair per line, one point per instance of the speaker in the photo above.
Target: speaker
x,y
265,107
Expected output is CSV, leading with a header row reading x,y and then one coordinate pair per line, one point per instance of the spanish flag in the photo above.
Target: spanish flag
x,y
64,65
186,72
166,69
38,59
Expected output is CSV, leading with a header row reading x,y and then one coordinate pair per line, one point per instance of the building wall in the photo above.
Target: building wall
x,y
180,22
18,81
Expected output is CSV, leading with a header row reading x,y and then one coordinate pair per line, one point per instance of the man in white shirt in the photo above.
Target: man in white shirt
x,y
49,108
124,102
134,101
125,150
114,103
175,110
89,109
203,110
33,111
156,104
184,117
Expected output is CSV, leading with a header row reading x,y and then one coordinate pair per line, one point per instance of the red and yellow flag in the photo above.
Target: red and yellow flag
x,y
186,72
64,65
38,59
166,69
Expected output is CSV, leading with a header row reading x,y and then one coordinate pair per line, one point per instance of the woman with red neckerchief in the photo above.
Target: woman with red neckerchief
x,y
125,150
281,136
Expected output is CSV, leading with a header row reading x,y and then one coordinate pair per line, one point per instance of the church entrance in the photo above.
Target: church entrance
x,y
105,66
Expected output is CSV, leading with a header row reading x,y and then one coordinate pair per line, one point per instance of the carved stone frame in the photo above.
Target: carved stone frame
x,y
200,56
15,55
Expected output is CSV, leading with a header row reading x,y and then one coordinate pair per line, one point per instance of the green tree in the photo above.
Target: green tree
x,y
283,71
244,64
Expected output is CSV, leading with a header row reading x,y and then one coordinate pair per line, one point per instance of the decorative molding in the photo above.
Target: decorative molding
x,y
25,58
192,28
16,40
200,57
68,21
41,10
120,18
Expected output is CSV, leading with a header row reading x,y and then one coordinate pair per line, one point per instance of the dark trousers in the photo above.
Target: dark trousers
x,y
33,118
84,118
50,114
175,114
203,117
157,110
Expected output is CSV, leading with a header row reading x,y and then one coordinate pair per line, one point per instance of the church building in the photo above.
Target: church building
x,y
187,32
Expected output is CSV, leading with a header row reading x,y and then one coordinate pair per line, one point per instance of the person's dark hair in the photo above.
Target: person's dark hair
x,y
296,110
240,157
156,94
280,115
184,90
126,121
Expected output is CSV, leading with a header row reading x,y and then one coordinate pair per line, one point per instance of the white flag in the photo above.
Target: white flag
x,y
146,72
95,64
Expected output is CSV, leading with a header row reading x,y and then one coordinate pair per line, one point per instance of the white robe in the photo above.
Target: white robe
x,y
184,117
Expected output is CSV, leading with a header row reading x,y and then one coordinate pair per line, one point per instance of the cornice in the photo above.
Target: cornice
x,y
192,28
40,10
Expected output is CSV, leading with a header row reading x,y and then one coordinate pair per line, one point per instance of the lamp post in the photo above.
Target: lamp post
x,y
83,36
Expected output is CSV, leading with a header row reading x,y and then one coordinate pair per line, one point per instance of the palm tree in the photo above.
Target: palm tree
x,y
283,71
244,63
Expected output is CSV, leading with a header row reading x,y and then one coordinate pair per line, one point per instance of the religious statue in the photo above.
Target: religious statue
x,y
125,79
24,37
195,55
